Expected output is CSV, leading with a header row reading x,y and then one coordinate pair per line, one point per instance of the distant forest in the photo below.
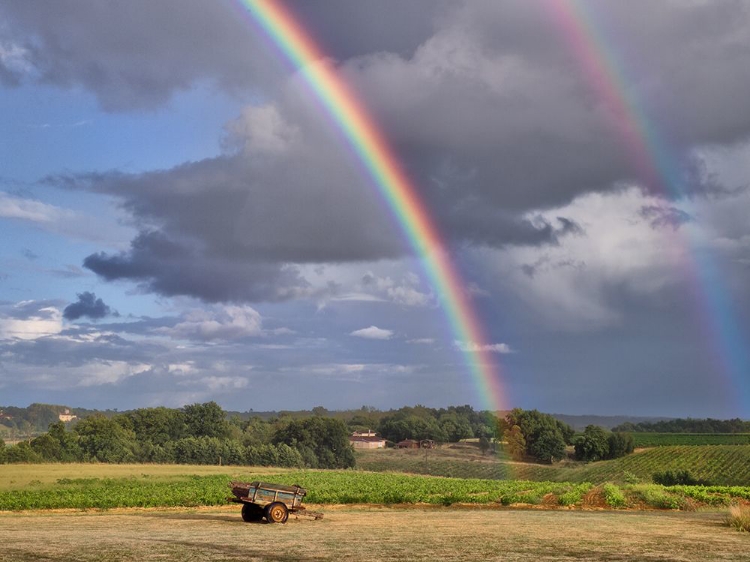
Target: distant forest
x,y
206,434
688,425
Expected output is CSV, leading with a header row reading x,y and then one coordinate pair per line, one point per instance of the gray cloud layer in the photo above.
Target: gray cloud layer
x,y
486,104
87,305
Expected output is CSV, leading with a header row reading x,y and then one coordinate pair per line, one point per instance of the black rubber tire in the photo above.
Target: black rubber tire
x,y
251,513
277,513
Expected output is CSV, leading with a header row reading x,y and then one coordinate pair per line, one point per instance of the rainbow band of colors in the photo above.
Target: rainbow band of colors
x,y
388,175
657,165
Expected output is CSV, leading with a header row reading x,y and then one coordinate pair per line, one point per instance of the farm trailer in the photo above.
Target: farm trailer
x,y
273,501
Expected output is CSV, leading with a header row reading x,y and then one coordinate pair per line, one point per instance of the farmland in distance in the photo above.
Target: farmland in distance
x,y
727,465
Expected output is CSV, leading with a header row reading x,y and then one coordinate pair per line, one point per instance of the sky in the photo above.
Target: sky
x,y
181,220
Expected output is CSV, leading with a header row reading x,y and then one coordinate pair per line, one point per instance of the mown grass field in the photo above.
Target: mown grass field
x,y
369,534
727,465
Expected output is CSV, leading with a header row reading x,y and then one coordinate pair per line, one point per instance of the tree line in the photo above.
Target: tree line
x,y
687,425
195,434
532,435
206,434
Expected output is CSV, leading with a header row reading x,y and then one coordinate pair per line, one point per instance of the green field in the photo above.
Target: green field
x,y
329,487
727,465
668,439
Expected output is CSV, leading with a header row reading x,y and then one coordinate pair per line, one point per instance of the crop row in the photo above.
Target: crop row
x,y
718,464
694,439
350,487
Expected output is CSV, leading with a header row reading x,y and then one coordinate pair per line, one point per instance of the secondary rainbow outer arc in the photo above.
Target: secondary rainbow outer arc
x,y
391,180
655,162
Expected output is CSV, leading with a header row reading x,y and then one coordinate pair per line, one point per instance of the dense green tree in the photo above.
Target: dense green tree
x,y
47,447
70,450
404,425
515,443
592,444
549,445
206,420
104,440
620,444
3,452
455,427
545,436
256,432
157,426
22,453
327,437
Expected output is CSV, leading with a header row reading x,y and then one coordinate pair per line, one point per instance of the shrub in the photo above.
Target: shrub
x,y
657,496
574,496
739,517
613,495
630,477
22,452
677,478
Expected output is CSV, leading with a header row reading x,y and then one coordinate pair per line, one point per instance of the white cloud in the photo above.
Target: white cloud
x,y
67,222
373,333
404,292
30,210
15,58
29,320
217,323
569,286
101,372
261,130
423,341
473,347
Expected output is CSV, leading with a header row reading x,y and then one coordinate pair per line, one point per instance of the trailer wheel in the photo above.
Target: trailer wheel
x,y
277,513
251,513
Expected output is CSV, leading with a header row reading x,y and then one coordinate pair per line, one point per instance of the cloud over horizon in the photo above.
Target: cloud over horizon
x,y
212,202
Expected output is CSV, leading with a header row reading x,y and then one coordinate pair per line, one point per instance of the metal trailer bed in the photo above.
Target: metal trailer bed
x,y
273,501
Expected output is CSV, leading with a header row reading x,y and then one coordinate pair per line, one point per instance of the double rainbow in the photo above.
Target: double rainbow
x,y
388,175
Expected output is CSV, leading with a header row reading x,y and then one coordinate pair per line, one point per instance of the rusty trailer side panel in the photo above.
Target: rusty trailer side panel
x,y
265,493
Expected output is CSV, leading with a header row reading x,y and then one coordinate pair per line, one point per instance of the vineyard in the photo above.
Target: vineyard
x,y
349,487
695,439
718,464
727,465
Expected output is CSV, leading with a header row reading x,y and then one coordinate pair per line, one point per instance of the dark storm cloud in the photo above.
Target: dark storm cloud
x,y
661,216
486,105
89,306
347,29
496,106
136,54
131,54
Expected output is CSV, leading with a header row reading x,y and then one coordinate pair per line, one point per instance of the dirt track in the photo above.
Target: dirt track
x,y
372,534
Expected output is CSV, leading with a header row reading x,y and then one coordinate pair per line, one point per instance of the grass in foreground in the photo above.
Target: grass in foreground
x,y
739,517
369,534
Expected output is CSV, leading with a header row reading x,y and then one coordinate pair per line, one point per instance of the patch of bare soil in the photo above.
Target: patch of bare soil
x,y
594,499
369,534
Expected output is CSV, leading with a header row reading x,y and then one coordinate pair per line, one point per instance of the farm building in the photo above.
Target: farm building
x,y
66,416
366,440
408,444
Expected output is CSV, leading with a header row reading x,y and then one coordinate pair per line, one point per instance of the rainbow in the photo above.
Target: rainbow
x,y
388,175
657,165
